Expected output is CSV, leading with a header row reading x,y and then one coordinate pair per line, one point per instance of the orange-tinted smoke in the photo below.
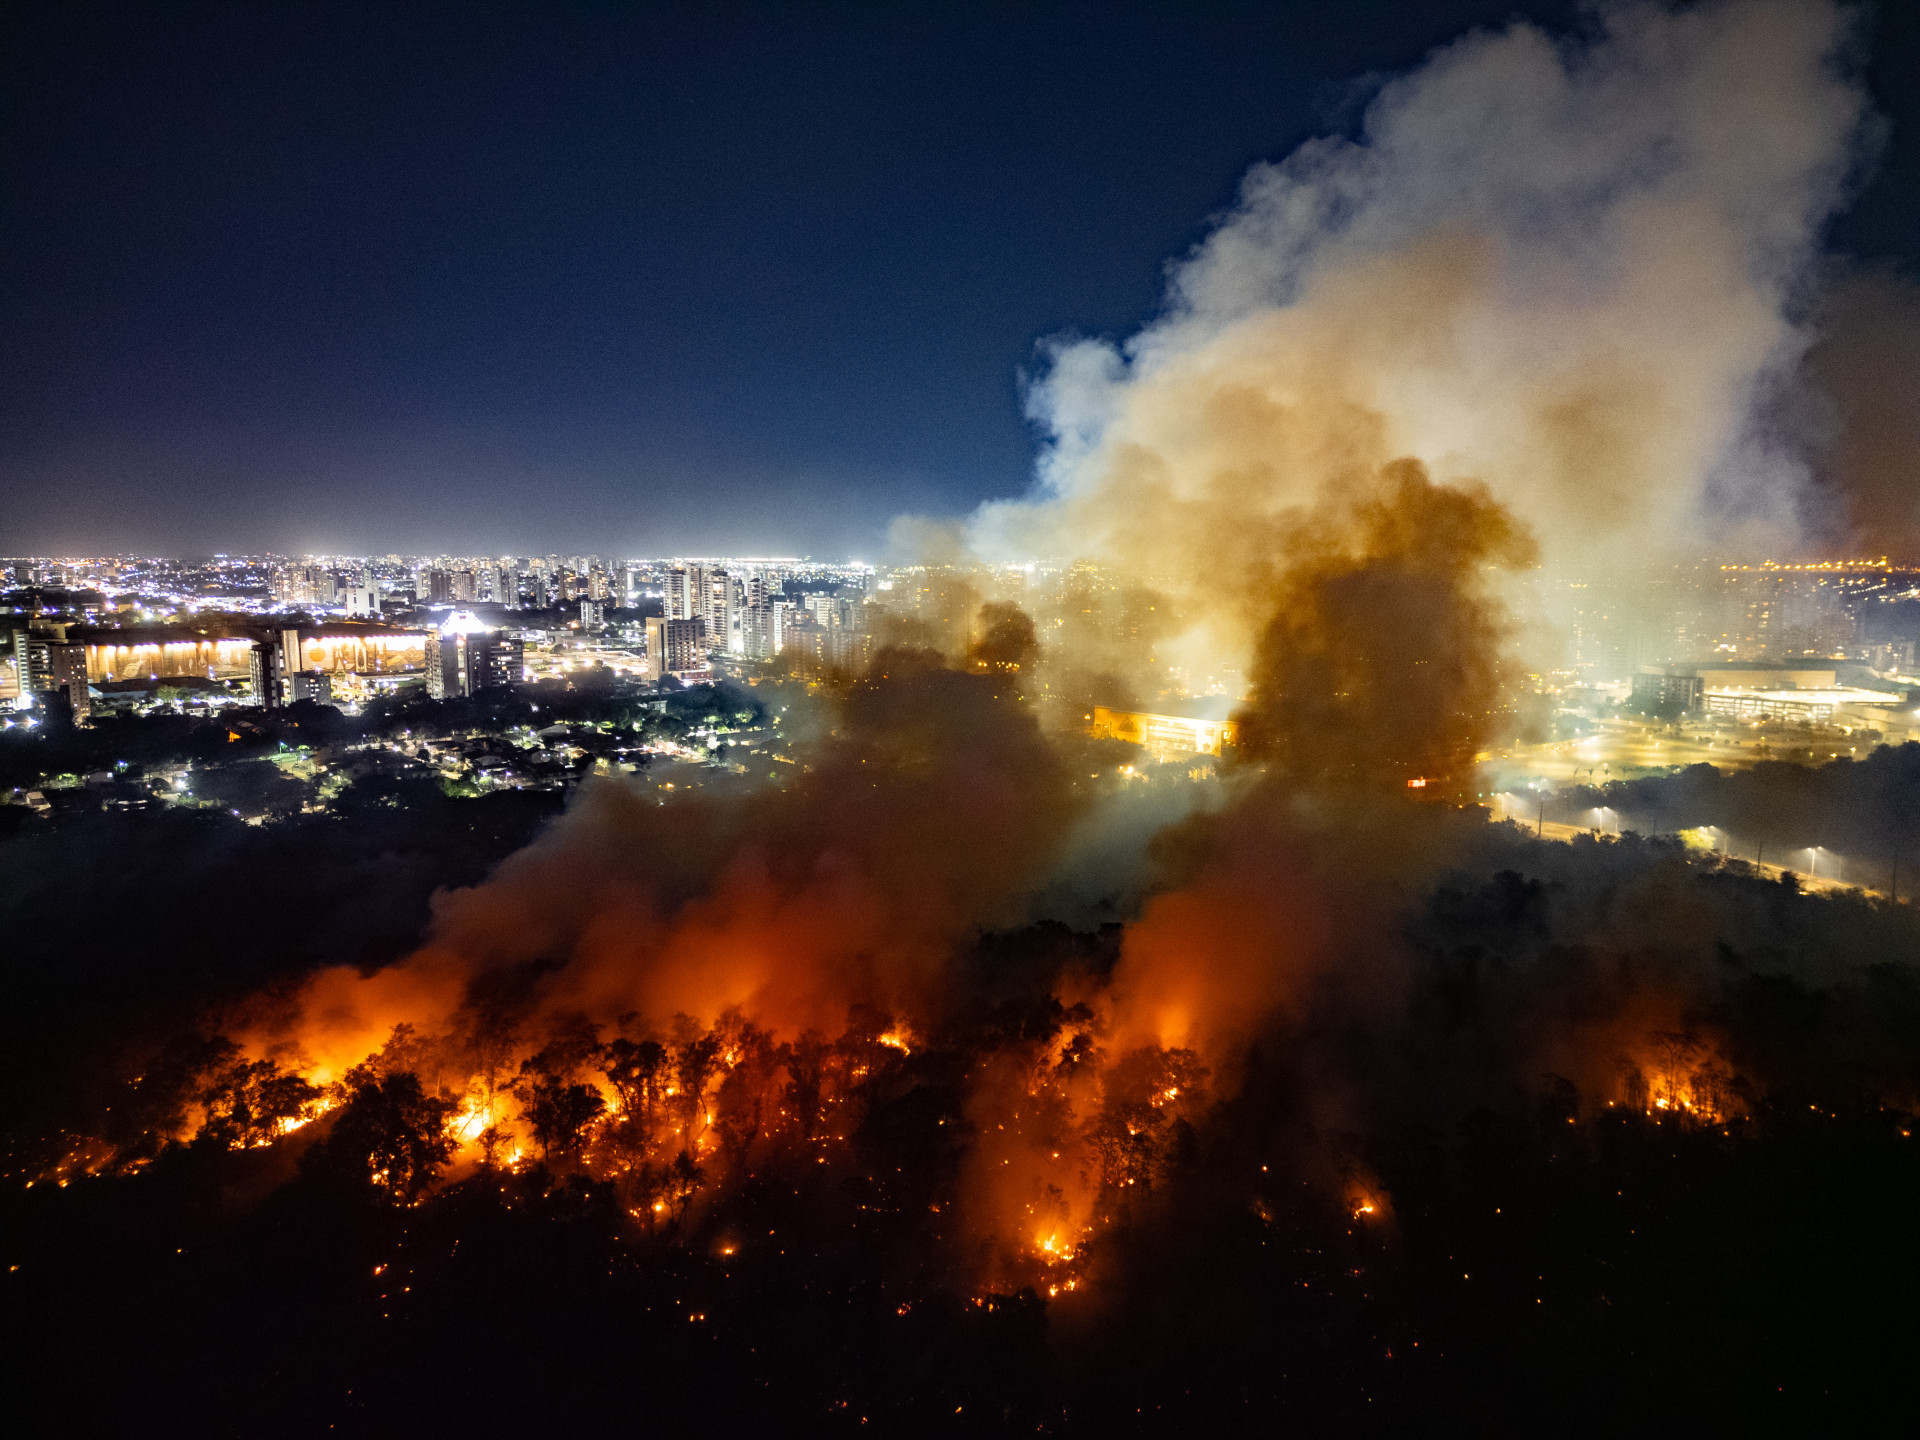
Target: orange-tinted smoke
x,y
1382,661
926,813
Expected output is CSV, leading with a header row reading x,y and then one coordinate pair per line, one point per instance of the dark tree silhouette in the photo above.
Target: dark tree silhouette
x,y
252,1102
696,1056
392,1131
561,1115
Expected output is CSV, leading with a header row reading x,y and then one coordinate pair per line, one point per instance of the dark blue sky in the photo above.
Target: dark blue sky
x,y
703,277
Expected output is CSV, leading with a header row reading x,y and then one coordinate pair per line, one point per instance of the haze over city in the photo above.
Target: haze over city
x,y
1042,719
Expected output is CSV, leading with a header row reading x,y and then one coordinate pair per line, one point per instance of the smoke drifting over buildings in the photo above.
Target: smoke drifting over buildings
x,y
823,1029
1570,270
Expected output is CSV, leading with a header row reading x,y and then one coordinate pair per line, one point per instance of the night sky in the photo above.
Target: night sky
x,y
717,277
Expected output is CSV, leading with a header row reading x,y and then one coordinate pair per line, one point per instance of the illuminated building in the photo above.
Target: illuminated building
x,y
155,652
463,587
439,587
1807,707
276,672
767,628
816,649
49,664
309,685
849,650
29,665
67,674
591,613
1893,656
1762,676
1710,685
733,600
466,655
264,675
1666,688
682,583
1206,730
716,599
674,646
291,656
303,585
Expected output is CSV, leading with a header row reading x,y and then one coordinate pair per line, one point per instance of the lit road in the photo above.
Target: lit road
x,y
1603,825
1511,779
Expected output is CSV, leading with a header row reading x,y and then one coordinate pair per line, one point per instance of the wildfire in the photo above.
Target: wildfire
x,y
676,1118
472,1121
287,1124
1679,1074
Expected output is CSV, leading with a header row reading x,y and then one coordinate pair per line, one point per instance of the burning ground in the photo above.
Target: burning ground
x,y
976,1075
790,1106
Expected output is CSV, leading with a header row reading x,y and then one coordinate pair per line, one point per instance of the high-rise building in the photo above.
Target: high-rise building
x,y
590,614
30,665
694,597
766,628
466,655
292,653
674,646
737,601
363,602
314,685
67,674
264,672
464,589
439,587
303,585
597,584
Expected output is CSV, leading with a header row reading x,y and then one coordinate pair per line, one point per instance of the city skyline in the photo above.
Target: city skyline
x,y
355,312
1005,719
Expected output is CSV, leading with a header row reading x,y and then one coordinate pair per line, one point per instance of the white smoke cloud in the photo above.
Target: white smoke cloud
x,y
1565,267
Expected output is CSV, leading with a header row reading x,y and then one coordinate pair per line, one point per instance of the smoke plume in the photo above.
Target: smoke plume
x,y
1865,377
923,816
1565,269
1530,310
1381,663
